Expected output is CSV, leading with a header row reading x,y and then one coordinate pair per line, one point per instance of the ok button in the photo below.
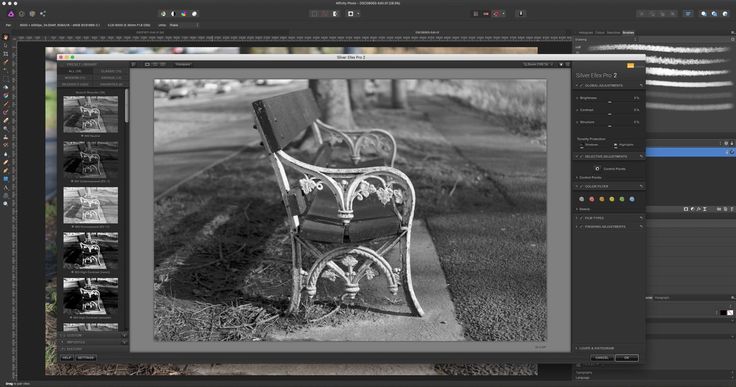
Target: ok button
x,y
627,358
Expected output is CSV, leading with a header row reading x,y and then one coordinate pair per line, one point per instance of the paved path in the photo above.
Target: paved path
x,y
389,321
490,146
182,158
228,132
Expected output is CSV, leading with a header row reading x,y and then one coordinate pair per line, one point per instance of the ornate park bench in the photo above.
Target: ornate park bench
x,y
337,214
90,251
90,205
91,162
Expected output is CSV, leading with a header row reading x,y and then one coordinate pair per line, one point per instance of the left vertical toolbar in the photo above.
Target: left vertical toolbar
x,y
8,213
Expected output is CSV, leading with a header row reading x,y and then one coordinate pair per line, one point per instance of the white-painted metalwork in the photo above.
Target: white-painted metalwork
x,y
349,262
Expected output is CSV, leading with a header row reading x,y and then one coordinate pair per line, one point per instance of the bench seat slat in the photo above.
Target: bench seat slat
x,y
372,219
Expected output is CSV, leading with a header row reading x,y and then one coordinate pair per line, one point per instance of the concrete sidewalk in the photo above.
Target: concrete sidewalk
x,y
498,276
490,146
389,320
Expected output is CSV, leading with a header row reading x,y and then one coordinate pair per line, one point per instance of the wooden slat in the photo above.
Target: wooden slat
x,y
285,117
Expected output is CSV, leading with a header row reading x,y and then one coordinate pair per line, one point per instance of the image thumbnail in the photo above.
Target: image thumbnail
x,y
90,114
91,250
90,160
90,296
90,327
90,205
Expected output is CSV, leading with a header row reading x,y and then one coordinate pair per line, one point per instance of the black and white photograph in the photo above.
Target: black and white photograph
x,y
90,114
90,327
90,160
91,251
90,296
90,205
429,223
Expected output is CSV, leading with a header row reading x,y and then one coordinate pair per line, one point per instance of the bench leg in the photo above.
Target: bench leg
x,y
411,298
296,276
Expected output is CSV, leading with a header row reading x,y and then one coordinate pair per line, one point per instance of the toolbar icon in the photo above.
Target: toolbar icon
x,y
10,14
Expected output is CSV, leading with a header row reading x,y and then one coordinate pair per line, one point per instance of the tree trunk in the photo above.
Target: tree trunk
x,y
333,99
358,98
334,102
399,97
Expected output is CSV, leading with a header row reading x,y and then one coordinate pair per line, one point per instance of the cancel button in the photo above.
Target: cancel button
x,y
601,357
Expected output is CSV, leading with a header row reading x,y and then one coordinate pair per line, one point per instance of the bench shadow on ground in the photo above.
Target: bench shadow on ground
x,y
216,268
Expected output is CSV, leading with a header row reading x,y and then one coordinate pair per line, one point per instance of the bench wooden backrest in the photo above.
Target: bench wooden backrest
x,y
283,118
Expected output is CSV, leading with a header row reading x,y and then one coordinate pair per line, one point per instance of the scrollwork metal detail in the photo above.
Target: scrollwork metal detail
x,y
345,264
385,194
90,169
309,183
90,215
89,111
379,141
89,157
90,260
360,140
89,293
89,203
90,124
90,247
